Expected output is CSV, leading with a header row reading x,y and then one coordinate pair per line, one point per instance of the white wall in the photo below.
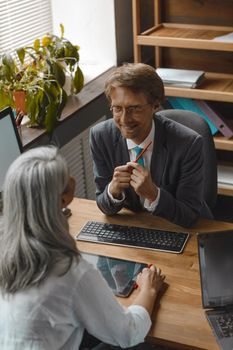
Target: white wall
x,y
89,24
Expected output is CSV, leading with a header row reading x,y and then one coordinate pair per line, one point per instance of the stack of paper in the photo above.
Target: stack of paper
x,y
181,77
225,174
225,38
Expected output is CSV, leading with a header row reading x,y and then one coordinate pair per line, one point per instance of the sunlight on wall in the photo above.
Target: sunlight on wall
x,y
91,25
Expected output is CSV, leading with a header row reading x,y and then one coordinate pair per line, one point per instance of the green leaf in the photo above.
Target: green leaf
x,y
21,54
46,41
71,52
78,80
59,52
6,99
44,100
36,44
62,29
8,61
31,107
7,73
53,91
50,117
58,71
62,104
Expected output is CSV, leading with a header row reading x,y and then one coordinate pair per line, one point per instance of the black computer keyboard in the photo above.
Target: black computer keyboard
x,y
137,237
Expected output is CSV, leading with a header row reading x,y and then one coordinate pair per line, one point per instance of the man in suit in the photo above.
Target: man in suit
x,y
167,180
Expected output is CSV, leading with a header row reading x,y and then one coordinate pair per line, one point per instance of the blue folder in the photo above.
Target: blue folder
x,y
190,105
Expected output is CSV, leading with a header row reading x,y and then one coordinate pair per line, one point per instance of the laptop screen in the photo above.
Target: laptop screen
x,y
216,268
10,143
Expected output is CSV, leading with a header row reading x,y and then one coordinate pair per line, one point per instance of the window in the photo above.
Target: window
x,y
91,25
22,21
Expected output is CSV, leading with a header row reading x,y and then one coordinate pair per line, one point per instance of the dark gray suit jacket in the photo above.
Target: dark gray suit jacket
x,y
176,167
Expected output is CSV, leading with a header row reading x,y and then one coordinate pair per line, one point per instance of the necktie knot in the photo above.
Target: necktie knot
x,y
138,150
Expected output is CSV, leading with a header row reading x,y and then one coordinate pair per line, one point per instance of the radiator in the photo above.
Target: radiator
x,y
77,155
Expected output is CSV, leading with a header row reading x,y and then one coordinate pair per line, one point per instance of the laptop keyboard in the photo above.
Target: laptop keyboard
x,y
225,323
137,237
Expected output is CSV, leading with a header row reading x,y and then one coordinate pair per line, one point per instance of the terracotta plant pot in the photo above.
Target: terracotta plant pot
x,y
19,99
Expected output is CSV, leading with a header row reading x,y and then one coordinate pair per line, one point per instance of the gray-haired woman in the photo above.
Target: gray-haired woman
x,y
48,293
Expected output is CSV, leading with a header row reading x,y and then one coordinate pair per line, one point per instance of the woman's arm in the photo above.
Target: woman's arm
x,y
150,282
105,318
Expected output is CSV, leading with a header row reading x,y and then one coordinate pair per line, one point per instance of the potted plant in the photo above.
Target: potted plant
x,y
37,74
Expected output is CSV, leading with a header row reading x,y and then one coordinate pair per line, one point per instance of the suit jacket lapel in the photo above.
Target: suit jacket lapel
x,y
159,154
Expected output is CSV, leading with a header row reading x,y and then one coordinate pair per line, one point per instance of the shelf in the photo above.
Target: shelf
x,y
225,179
213,54
226,190
222,143
189,36
215,87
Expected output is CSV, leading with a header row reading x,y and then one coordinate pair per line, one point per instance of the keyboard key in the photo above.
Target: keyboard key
x,y
225,323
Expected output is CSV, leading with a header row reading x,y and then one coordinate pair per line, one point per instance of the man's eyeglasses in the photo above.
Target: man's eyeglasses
x,y
136,109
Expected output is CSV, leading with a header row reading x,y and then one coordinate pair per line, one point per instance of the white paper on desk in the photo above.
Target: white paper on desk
x,y
224,38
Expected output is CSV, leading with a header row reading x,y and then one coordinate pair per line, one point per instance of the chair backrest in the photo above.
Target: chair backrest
x,y
194,121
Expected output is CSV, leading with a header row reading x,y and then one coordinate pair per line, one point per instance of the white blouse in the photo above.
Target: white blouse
x,y
53,316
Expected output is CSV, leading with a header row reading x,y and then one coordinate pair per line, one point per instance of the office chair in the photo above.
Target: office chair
x,y
194,121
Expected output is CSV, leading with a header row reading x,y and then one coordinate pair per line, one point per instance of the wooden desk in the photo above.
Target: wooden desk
x,y
180,321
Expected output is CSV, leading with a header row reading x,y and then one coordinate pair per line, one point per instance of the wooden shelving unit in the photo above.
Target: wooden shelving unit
x,y
215,87
186,36
218,85
221,143
226,190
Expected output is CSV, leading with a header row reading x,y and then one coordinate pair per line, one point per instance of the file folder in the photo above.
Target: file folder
x,y
216,118
191,105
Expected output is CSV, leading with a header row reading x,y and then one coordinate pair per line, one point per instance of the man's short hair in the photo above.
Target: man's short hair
x,y
138,77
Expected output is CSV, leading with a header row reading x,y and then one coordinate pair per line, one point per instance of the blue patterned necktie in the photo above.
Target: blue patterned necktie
x,y
138,150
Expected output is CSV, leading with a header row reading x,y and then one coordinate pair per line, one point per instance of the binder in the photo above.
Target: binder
x,y
191,105
166,104
216,118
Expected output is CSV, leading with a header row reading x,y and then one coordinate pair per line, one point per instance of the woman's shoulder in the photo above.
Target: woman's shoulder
x,y
68,274
80,267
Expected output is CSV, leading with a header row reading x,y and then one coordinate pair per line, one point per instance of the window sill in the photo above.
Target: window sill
x,y
92,71
93,88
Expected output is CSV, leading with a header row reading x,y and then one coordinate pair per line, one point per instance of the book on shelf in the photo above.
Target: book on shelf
x,y
181,77
191,105
225,174
223,125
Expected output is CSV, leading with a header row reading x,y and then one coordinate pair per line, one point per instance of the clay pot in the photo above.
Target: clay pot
x,y
19,97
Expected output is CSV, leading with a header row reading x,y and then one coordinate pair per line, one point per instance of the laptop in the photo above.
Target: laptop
x,y
216,272
10,143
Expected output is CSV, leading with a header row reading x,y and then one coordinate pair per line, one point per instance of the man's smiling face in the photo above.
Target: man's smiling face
x,y
132,113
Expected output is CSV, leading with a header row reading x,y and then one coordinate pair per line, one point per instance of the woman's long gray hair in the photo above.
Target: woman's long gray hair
x,y
34,231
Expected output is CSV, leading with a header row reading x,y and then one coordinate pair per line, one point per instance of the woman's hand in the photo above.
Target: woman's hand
x,y
150,279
